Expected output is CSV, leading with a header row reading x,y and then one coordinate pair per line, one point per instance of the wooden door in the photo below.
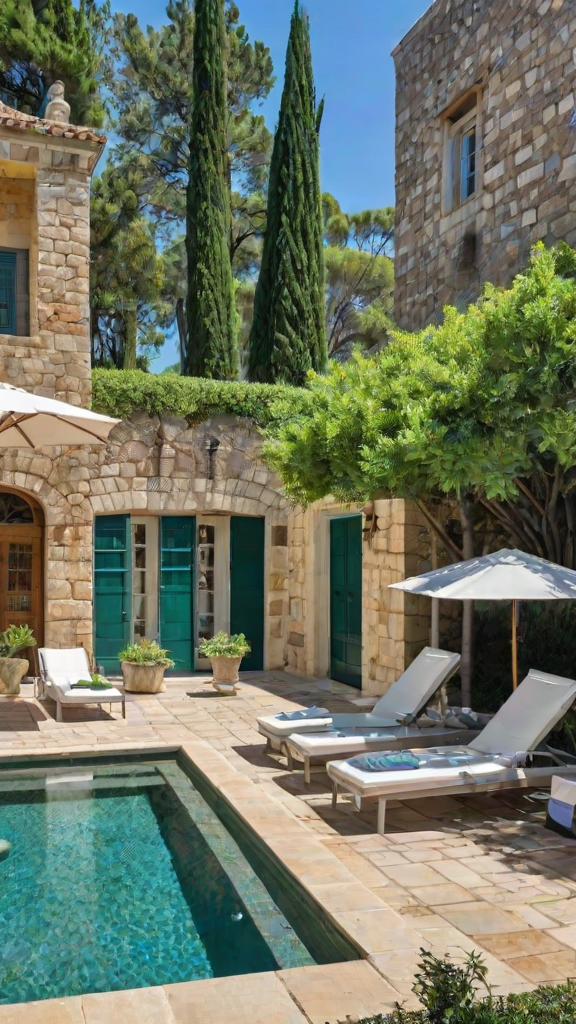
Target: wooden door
x,y
21,575
247,586
112,589
178,541
346,600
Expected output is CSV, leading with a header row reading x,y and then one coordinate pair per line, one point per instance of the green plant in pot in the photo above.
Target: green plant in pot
x,y
143,667
12,669
225,654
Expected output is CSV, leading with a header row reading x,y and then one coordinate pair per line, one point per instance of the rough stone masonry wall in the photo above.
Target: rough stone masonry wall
x,y
523,57
55,359
154,465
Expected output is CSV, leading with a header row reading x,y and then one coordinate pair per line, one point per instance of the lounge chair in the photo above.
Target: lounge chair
x,y
401,705
61,668
322,747
503,756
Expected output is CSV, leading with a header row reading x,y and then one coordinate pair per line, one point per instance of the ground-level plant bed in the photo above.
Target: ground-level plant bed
x,y
449,995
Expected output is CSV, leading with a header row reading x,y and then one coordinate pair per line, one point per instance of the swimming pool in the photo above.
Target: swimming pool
x,y
128,875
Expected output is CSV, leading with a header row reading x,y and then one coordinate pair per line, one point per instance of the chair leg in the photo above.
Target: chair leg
x,y
334,794
307,774
123,709
58,711
381,824
289,759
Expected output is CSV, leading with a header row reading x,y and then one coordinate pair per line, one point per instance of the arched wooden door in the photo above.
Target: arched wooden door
x,y
21,571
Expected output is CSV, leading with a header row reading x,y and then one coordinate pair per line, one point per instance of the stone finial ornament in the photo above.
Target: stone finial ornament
x,y
57,109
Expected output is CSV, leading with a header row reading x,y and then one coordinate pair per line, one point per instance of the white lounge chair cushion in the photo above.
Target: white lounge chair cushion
x,y
61,667
401,783
83,695
339,744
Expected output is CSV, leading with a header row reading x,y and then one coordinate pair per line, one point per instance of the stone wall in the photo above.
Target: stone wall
x,y
521,57
55,173
16,210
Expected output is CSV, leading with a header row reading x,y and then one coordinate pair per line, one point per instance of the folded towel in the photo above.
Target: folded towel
x,y
299,716
409,760
91,684
386,762
458,717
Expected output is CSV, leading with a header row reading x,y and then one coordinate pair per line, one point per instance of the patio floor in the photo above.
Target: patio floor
x,y
451,874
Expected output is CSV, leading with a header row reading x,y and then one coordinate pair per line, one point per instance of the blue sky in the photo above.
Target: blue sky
x,y
351,44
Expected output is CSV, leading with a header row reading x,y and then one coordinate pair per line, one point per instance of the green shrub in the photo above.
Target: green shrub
x,y
15,639
147,652
223,646
122,392
448,996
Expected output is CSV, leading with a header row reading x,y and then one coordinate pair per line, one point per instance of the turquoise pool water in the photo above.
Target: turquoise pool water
x,y
123,876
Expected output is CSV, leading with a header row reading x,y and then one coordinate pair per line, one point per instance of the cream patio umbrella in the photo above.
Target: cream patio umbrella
x,y
507,575
31,421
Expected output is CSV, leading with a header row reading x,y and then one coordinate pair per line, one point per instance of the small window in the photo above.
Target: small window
x,y
462,150
7,293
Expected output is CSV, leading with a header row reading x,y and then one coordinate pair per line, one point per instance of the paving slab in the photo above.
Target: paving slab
x,y
338,991
247,999
135,1006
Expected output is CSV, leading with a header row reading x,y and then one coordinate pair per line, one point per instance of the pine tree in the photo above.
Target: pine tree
x,y
210,349
288,336
45,40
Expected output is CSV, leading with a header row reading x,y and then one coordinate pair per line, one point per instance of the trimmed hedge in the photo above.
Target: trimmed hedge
x,y
121,392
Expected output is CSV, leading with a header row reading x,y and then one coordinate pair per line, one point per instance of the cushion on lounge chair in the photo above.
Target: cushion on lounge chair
x,y
306,713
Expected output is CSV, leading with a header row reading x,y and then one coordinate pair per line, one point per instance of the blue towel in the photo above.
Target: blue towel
x,y
299,716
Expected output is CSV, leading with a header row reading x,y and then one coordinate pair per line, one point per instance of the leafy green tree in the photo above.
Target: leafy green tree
x,y
288,336
359,277
152,90
42,41
128,309
210,348
478,413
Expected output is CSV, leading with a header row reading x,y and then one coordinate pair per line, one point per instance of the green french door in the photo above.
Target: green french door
x,y
247,586
177,547
112,589
346,600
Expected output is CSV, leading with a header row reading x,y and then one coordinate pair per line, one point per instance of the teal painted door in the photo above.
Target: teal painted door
x,y
247,586
112,589
346,600
177,547
7,293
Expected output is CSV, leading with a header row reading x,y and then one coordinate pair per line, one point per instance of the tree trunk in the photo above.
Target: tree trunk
x,y
130,339
467,662
182,331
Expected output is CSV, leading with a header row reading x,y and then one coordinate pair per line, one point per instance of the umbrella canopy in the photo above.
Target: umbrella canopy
x,y
507,575
31,421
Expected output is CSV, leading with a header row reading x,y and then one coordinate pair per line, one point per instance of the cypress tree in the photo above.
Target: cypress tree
x,y
288,336
210,349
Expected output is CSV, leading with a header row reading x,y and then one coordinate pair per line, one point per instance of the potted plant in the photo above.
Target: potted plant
x,y
225,654
12,669
143,667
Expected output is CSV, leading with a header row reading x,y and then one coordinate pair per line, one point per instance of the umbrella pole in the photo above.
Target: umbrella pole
x,y
514,648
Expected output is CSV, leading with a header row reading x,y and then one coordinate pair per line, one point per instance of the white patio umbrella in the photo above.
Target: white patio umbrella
x,y
31,421
507,575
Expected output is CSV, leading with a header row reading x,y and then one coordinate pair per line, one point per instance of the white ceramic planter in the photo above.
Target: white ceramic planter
x,y
143,678
12,670
225,674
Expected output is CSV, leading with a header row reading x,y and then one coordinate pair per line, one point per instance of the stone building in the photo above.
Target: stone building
x,y
174,529
485,147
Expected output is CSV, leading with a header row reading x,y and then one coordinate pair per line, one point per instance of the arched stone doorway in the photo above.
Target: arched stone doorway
x,y
21,572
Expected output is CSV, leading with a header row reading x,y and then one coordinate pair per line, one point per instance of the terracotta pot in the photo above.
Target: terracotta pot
x,y
143,678
11,672
225,674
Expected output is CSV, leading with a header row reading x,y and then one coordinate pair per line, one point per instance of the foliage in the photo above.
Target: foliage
x,y
42,41
480,408
359,277
288,333
15,639
120,393
146,652
152,92
96,682
127,274
448,996
221,645
210,349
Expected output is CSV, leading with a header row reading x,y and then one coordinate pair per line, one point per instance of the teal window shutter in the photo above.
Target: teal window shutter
x,y
112,589
7,293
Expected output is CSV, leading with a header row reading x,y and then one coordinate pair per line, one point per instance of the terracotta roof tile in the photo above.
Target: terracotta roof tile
x,y
10,118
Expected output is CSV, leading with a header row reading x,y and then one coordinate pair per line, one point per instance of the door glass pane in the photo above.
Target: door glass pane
x,y
20,567
206,581
139,580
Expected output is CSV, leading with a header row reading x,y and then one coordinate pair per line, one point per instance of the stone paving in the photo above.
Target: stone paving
x,y
477,872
